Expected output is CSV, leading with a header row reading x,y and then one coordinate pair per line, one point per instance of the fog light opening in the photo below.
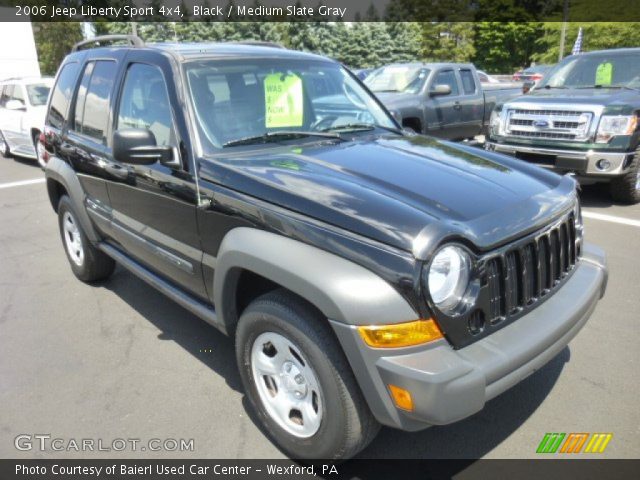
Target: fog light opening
x,y
603,164
401,397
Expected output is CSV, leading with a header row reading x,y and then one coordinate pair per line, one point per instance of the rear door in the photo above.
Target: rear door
x,y
85,144
154,206
471,103
10,120
443,111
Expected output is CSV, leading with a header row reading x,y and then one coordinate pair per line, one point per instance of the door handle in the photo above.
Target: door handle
x,y
457,106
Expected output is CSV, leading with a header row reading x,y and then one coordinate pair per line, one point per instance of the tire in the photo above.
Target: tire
x,y
337,432
5,151
87,262
626,189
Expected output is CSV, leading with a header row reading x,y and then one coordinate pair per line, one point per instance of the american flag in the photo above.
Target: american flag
x,y
577,47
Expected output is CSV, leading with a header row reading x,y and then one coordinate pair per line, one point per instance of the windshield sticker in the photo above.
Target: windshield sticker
x,y
283,100
604,74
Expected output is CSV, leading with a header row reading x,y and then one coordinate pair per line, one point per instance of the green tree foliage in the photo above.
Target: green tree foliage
x,y
54,40
501,47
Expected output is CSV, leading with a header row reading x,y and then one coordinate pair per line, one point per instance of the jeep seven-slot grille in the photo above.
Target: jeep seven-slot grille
x,y
522,275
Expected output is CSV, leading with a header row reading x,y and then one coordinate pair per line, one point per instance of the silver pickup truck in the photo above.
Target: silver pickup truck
x,y
445,100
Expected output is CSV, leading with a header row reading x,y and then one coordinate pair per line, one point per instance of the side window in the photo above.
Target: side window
x,y
95,112
7,91
61,95
18,94
144,103
468,82
447,77
81,96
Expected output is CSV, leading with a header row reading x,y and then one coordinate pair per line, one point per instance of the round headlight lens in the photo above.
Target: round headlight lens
x,y
449,277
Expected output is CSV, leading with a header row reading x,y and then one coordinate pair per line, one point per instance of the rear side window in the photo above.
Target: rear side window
x,y
92,105
7,91
468,83
61,95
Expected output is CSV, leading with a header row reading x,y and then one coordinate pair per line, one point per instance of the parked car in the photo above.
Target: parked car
x,y
23,104
582,119
367,276
445,100
363,73
531,77
486,78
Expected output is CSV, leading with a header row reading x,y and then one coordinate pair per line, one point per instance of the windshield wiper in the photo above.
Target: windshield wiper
x,y
275,136
609,86
362,127
554,86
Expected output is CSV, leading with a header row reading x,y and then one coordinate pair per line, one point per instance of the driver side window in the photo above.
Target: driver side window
x,y
144,103
447,77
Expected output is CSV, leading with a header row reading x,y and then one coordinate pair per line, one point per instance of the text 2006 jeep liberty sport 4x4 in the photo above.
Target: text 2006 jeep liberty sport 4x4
x,y
368,276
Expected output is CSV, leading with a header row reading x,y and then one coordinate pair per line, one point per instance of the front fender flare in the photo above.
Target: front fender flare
x,y
342,290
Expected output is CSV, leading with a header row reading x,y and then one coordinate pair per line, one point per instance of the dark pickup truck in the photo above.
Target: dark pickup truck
x,y
367,275
446,100
582,119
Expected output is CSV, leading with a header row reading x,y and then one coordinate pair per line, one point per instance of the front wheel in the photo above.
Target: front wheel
x,y
626,189
4,147
299,381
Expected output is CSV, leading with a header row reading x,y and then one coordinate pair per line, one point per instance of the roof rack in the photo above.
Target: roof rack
x,y
258,43
133,41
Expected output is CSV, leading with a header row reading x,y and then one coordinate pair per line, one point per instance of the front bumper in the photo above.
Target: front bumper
x,y
448,385
581,162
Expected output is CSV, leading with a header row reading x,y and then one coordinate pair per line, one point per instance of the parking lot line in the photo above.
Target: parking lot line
x,y
33,181
611,218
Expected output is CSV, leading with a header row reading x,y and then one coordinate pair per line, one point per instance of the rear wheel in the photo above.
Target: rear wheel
x,y
299,381
4,147
87,262
626,189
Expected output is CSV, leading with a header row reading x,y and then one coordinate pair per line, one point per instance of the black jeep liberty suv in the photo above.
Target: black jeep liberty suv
x,y
367,275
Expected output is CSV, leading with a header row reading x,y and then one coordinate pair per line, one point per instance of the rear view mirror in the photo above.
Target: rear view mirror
x,y
138,146
15,105
440,89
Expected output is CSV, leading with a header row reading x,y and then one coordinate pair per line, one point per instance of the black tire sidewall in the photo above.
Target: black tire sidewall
x,y
327,441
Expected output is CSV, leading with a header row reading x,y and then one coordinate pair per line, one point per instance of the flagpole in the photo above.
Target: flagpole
x,y
563,32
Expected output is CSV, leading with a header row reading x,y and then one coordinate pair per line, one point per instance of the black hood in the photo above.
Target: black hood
x,y
394,189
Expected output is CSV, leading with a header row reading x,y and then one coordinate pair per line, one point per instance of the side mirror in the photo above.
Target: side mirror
x,y
15,105
440,90
138,146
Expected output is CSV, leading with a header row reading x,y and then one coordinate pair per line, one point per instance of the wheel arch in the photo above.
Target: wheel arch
x,y
340,289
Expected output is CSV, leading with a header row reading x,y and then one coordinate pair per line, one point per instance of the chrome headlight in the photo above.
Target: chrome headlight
x,y
448,277
494,122
612,125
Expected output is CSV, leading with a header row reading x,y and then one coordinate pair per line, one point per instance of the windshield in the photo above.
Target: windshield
x,y
237,101
38,94
397,78
584,71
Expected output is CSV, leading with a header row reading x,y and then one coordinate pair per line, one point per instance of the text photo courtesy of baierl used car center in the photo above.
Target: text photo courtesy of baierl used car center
x,y
319,239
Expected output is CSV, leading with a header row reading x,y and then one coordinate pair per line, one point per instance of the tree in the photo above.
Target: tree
x,y
54,41
448,41
502,47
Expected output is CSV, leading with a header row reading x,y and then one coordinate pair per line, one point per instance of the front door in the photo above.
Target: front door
x,y
154,206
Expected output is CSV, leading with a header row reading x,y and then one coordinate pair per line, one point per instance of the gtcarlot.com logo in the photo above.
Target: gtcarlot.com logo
x,y
45,442
574,443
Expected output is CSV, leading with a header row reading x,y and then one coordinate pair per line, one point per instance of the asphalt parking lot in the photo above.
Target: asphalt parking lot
x,y
119,360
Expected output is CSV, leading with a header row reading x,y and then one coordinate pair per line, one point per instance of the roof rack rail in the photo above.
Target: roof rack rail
x,y
133,40
259,43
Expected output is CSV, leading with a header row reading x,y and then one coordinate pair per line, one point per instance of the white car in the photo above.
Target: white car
x,y
23,104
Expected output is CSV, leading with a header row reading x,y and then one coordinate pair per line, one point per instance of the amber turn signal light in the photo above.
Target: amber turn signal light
x,y
400,334
401,397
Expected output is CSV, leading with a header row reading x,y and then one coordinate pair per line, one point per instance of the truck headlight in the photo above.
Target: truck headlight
x,y
448,277
494,122
612,125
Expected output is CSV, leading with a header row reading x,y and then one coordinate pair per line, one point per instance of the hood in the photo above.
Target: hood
x,y
402,191
596,96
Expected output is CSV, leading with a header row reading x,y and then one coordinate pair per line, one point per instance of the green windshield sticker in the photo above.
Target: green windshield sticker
x,y
604,74
283,100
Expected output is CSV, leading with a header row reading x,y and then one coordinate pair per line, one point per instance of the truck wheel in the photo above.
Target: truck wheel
x,y
4,147
299,381
87,262
626,189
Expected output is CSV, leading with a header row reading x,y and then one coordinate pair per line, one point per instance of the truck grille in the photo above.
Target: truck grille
x,y
571,125
523,274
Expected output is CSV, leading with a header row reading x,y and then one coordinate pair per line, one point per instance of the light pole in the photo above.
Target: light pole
x,y
563,32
